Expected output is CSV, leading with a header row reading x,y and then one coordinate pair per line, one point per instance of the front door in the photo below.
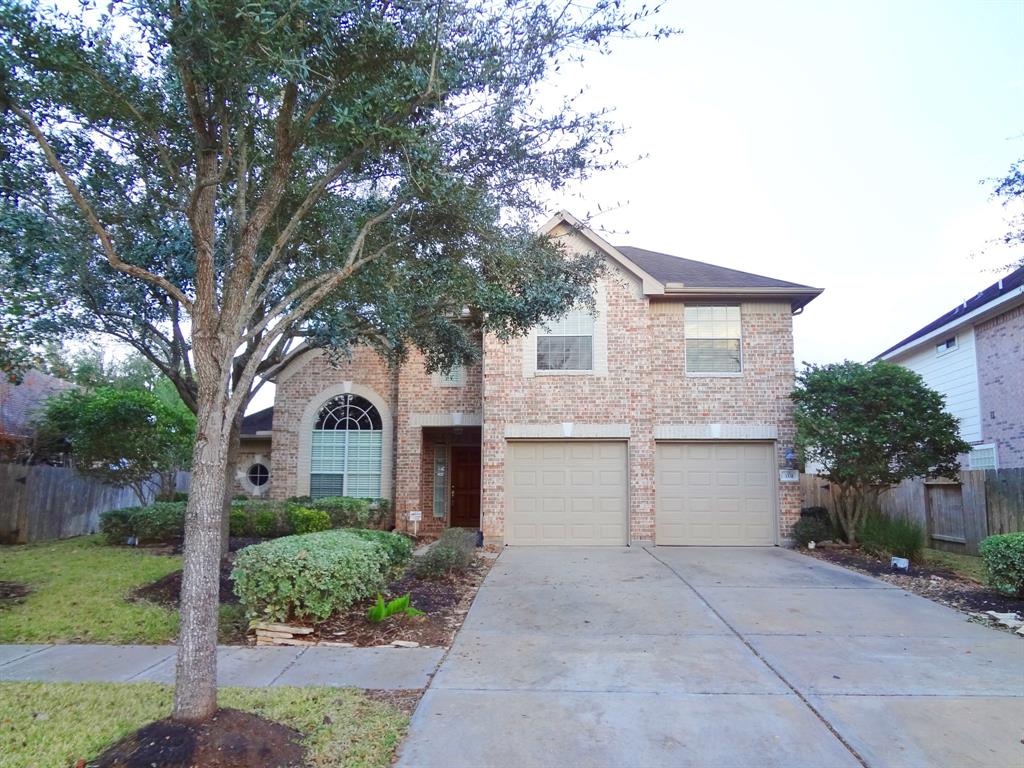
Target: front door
x,y
465,510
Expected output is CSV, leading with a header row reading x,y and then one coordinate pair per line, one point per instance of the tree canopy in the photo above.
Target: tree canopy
x,y
869,427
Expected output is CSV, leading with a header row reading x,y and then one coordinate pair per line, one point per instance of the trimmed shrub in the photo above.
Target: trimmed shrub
x,y
1004,562
265,523
398,547
238,522
808,529
885,536
453,551
305,520
346,512
159,522
264,519
310,576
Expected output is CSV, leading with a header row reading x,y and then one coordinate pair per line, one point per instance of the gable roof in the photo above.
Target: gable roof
x,y
1012,283
256,423
699,274
19,403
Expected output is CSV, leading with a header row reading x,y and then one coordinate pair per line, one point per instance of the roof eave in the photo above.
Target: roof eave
x,y
798,297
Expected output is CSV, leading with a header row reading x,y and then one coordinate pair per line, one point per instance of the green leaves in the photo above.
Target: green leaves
x,y
1004,562
400,605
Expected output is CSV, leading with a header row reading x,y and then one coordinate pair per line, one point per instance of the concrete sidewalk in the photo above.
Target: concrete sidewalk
x,y
381,668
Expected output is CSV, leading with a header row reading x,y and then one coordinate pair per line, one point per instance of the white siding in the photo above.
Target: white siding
x,y
955,375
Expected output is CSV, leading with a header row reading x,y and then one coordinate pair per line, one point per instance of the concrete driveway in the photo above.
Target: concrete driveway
x,y
714,657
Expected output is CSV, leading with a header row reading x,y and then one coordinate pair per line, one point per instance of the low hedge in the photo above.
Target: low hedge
x,y
1004,562
453,551
158,522
348,512
316,574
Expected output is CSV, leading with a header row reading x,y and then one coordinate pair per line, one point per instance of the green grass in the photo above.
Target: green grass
x,y
968,566
79,589
52,725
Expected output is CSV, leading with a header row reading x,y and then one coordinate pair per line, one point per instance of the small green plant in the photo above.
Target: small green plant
x,y
381,610
808,529
238,522
265,523
1004,562
453,551
881,535
306,520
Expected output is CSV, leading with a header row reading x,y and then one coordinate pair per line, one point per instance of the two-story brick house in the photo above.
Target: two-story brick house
x,y
663,416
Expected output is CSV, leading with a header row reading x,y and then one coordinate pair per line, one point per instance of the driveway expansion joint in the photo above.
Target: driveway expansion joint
x,y
856,755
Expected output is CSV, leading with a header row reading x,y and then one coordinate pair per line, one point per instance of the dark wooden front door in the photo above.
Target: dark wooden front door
x,y
465,486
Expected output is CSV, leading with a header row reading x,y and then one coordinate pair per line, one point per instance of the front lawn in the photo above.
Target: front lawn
x,y
78,590
53,725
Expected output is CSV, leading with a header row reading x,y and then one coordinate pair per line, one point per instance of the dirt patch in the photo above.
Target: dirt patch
x,y
230,739
12,592
938,584
404,700
167,590
444,601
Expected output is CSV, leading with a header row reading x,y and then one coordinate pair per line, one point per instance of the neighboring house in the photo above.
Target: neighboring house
x,y
974,356
19,404
663,417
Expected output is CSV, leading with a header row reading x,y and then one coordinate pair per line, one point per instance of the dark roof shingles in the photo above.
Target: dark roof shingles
x,y
699,274
261,421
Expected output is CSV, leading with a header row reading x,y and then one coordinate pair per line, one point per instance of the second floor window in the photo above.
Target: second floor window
x,y
567,344
713,340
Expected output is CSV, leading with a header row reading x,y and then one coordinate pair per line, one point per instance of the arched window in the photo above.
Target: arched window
x,y
346,456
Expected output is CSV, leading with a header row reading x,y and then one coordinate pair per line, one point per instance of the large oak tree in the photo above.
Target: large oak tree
x,y
212,180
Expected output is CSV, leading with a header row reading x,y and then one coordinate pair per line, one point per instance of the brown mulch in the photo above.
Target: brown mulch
x,y
167,589
12,592
939,584
230,739
444,601
403,699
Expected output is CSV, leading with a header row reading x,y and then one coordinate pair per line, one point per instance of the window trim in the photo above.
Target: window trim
x,y
712,374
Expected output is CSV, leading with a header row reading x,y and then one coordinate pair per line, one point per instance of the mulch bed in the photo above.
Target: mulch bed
x,y
167,590
938,584
230,739
444,601
11,592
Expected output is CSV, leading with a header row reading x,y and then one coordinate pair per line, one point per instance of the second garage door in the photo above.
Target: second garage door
x,y
715,494
566,492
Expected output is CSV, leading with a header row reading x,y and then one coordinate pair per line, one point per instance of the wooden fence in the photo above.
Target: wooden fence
x,y
40,502
955,514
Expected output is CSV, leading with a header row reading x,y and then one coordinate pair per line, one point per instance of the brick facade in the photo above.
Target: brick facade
x,y
252,451
999,346
638,386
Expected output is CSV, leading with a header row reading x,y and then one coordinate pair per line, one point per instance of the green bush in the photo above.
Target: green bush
x,y
264,519
310,576
238,522
265,523
454,551
1004,562
808,529
885,536
305,520
346,512
397,546
161,521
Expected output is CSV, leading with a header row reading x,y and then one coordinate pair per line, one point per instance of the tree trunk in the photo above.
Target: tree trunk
x,y
234,443
195,694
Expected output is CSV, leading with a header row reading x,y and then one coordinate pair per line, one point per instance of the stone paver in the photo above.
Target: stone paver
x,y
714,657
383,668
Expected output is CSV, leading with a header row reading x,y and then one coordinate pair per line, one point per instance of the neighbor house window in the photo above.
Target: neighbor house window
x,y
567,344
946,345
259,475
982,457
713,340
346,456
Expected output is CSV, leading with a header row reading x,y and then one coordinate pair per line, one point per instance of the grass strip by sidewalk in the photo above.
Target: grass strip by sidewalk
x,y
52,725
968,566
79,590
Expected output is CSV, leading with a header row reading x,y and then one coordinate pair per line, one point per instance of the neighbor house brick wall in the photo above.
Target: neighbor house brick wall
x,y
999,346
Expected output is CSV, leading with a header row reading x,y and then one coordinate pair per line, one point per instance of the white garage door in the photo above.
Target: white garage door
x,y
715,494
571,492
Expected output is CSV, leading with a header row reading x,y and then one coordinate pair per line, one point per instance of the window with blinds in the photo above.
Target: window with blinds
x,y
347,449
713,340
567,344
453,377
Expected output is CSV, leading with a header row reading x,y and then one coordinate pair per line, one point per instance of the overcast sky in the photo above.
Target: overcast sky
x,y
836,144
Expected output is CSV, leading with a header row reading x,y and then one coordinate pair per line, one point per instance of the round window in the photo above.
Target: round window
x,y
259,475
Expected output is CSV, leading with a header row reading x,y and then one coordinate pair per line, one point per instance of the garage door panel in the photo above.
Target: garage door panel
x,y
715,493
577,491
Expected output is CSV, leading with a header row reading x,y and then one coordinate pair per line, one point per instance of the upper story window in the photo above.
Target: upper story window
x,y
453,377
567,344
946,345
713,340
